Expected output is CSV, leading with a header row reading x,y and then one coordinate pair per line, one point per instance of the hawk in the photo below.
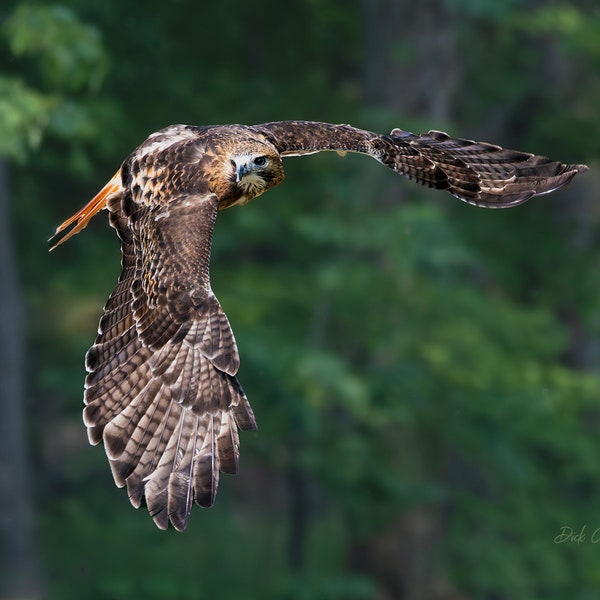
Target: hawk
x,y
161,390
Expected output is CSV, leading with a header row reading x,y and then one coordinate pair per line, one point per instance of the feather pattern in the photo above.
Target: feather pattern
x,y
478,173
161,391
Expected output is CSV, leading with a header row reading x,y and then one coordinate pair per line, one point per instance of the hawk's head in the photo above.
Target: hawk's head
x,y
252,169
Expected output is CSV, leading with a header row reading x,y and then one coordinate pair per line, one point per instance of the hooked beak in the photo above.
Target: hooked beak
x,y
240,171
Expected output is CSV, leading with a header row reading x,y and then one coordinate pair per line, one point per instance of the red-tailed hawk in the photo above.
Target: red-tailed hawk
x,y
161,390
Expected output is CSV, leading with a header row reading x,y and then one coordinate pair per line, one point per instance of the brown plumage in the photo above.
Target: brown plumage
x,y
161,390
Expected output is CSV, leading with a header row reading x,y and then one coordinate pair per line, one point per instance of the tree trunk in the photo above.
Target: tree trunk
x,y
412,67
19,573
411,70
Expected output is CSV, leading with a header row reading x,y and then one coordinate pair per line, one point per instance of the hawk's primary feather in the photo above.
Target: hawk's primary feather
x,y
161,390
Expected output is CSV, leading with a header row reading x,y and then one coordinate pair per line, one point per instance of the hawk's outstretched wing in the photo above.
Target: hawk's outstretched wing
x,y
476,172
161,389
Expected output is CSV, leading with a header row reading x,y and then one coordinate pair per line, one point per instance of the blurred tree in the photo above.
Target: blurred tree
x,y
420,372
65,56
19,572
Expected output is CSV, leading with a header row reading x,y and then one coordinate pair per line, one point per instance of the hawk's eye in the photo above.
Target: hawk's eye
x,y
260,161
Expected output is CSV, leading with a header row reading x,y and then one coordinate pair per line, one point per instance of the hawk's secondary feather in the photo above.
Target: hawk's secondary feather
x,y
161,391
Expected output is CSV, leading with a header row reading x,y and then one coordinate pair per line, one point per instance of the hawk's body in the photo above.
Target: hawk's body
x,y
161,390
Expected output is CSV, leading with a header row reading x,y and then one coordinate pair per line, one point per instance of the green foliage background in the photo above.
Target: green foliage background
x,y
424,373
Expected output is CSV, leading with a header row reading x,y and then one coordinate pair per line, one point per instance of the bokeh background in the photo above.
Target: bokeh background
x,y
425,374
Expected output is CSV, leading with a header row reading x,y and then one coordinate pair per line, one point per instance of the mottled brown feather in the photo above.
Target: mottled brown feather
x,y
478,173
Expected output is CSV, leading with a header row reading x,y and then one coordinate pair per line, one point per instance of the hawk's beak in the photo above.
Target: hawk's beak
x,y
83,216
240,172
